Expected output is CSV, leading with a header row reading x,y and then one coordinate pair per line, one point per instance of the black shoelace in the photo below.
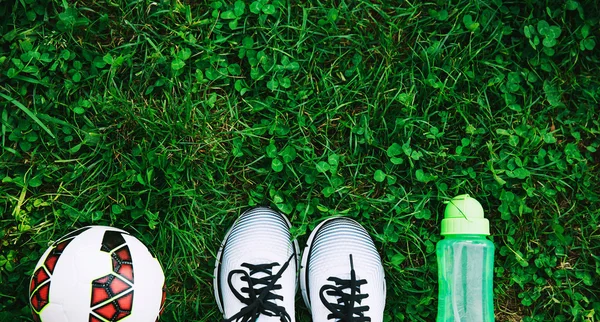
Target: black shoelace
x,y
258,299
345,310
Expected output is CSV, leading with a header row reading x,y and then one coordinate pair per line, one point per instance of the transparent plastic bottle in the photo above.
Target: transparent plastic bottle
x,y
465,264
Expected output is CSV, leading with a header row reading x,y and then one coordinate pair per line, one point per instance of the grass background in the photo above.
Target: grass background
x,y
169,118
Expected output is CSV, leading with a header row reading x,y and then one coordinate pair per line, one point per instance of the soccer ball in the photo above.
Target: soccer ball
x,y
97,274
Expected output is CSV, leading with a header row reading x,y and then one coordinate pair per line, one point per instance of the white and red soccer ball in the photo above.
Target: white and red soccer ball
x,y
97,274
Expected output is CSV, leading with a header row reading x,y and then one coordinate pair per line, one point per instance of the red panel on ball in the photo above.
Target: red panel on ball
x,y
50,263
164,297
60,247
126,270
124,254
102,280
39,299
35,302
99,295
94,319
126,302
118,286
43,292
40,276
107,311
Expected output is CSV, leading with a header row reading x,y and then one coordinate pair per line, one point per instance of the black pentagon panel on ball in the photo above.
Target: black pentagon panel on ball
x,y
111,240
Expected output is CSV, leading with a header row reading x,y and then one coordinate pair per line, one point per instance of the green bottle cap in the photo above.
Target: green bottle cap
x,y
464,216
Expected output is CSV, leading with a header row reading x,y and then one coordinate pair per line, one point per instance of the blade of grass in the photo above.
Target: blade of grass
x,y
29,113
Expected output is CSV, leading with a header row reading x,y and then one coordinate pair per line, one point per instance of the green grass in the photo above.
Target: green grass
x,y
170,118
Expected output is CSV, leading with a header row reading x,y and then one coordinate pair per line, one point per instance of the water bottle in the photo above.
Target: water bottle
x,y
465,264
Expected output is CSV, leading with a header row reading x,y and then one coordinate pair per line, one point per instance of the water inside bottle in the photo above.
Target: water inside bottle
x,y
468,282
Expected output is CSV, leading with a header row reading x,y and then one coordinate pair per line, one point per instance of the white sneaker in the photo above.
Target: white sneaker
x,y
341,275
255,273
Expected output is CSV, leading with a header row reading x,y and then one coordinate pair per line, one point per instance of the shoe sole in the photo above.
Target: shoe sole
x,y
216,289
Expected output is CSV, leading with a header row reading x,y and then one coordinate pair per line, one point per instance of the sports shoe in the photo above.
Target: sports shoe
x,y
255,273
341,275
